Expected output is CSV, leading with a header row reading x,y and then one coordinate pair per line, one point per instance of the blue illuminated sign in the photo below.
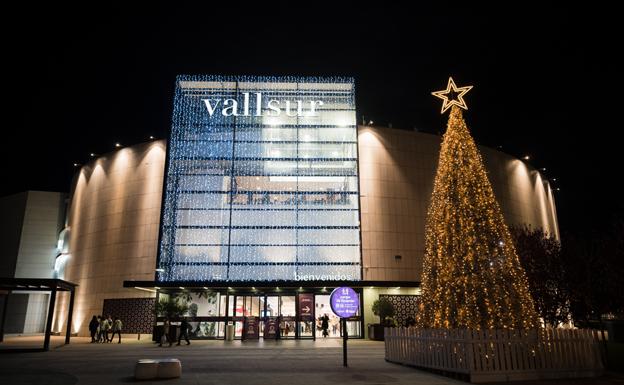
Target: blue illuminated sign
x,y
344,302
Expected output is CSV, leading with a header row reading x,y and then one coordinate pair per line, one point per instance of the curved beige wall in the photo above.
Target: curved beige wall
x,y
397,170
114,213
114,217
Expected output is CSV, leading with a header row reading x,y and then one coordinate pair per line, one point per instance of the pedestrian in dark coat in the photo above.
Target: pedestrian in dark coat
x,y
93,328
325,324
184,329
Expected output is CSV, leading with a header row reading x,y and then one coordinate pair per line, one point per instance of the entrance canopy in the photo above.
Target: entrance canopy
x,y
267,284
8,285
267,309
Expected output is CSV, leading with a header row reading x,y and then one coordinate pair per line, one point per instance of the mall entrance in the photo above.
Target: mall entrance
x,y
270,310
255,314
299,316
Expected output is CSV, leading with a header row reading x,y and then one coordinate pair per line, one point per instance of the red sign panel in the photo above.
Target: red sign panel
x,y
270,328
251,328
306,307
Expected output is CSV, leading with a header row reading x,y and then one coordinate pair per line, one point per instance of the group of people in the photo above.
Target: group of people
x,y
103,329
168,336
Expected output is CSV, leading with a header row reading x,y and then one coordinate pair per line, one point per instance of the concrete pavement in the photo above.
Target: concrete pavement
x,y
289,362
286,362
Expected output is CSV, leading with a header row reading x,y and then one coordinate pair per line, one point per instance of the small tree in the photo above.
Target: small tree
x,y
384,309
594,260
170,308
540,255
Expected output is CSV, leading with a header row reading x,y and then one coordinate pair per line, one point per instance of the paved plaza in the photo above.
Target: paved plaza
x,y
287,362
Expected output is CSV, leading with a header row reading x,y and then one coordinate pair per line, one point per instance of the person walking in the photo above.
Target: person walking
x,y
184,329
117,325
109,328
325,325
93,328
102,329
165,332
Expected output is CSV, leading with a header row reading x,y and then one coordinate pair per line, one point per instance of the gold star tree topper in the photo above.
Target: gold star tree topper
x,y
452,95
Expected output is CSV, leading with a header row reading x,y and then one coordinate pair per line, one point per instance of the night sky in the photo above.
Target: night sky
x,y
547,80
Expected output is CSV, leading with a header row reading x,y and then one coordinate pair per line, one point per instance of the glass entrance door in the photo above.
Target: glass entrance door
x,y
272,306
334,326
288,324
270,312
245,306
300,315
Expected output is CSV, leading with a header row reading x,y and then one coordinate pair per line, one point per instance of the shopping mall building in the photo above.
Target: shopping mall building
x,y
265,197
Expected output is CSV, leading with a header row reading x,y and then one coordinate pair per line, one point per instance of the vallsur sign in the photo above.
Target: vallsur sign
x,y
292,108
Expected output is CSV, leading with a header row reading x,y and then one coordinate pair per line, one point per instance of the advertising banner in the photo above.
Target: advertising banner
x,y
270,328
306,307
251,328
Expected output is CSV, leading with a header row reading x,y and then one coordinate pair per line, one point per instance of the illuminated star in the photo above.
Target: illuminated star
x,y
452,95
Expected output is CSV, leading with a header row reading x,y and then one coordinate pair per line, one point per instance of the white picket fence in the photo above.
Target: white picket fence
x,y
498,355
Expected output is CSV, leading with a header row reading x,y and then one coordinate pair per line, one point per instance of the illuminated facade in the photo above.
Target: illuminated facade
x,y
264,198
262,181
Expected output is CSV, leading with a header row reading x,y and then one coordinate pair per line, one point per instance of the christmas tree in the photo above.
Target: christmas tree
x,y
472,277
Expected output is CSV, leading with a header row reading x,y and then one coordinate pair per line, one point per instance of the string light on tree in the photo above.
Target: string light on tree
x,y
472,277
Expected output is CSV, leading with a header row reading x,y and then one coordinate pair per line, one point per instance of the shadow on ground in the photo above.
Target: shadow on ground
x,y
36,377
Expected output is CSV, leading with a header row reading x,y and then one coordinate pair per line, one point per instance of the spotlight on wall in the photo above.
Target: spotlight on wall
x,y
92,155
370,122
151,137
76,164
145,289
526,157
543,169
117,145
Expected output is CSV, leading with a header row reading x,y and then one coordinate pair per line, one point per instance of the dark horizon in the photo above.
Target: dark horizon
x,y
544,78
